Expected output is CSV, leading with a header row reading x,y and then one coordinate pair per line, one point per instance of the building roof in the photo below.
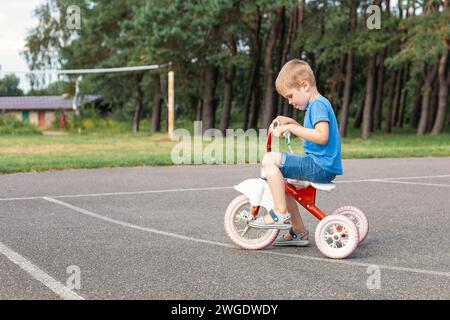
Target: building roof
x,y
42,102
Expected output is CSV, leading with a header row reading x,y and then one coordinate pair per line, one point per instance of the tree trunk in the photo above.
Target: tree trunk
x,y
281,42
415,113
439,123
164,94
252,97
157,102
396,104
287,46
138,105
400,8
228,88
335,80
301,17
359,112
248,96
403,97
378,112
388,118
209,108
347,95
368,101
255,104
268,72
348,76
429,77
199,110
227,98
433,105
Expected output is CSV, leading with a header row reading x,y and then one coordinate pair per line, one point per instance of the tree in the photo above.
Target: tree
x,y
268,91
252,102
444,82
226,54
9,86
423,46
348,74
371,43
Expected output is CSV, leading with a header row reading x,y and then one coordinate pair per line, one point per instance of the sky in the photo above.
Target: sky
x,y
16,17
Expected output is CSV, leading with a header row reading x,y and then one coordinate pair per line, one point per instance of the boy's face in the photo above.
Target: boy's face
x,y
298,97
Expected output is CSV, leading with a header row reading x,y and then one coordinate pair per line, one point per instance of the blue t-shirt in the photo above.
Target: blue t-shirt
x,y
326,156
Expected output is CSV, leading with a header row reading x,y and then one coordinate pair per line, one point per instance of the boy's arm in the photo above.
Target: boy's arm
x,y
317,135
286,120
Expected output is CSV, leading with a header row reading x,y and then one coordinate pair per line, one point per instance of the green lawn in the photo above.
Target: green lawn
x,y
94,150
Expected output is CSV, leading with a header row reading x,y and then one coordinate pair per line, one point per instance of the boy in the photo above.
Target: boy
x,y
322,145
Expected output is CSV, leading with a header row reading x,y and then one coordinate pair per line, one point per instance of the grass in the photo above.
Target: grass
x,y
9,125
23,153
40,153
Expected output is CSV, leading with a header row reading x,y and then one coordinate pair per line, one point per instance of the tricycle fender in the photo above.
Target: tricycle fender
x,y
257,191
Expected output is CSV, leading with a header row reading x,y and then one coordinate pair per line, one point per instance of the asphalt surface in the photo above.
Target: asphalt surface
x,y
157,233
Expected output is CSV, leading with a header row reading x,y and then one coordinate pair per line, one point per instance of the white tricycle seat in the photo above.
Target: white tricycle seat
x,y
300,184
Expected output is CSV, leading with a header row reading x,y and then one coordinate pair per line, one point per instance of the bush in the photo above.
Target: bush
x,y
91,120
96,124
87,124
10,125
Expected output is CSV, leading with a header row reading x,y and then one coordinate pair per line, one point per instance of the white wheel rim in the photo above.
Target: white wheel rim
x,y
335,235
354,217
357,217
245,233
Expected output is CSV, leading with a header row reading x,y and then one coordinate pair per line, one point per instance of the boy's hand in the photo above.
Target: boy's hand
x,y
280,130
282,120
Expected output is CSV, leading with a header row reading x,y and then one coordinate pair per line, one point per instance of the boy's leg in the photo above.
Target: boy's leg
x,y
283,202
271,166
296,219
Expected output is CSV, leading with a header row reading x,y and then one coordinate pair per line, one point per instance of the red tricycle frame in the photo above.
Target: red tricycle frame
x,y
305,196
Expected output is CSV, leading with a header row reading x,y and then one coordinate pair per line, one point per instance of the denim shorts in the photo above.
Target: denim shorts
x,y
295,166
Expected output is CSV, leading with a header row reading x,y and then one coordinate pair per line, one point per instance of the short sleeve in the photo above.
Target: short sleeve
x,y
319,112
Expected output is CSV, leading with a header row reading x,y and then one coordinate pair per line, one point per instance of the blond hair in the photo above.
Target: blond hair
x,y
292,73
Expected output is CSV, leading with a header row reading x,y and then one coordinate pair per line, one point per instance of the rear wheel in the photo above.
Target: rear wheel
x,y
237,216
358,217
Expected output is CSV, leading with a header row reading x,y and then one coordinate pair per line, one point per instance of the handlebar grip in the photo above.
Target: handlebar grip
x,y
269,141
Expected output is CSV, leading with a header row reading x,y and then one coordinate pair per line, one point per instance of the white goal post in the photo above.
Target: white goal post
x,y
170,89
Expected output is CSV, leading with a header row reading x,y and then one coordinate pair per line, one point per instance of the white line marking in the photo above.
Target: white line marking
x,y
24,198
394,178
195,189
226,245
420,177
119,193
416,183
141,192
41,276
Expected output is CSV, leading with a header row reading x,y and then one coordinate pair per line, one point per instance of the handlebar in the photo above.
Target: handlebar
x,y
287,139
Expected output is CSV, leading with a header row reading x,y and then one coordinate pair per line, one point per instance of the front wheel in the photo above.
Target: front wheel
x,y
336,236
236,225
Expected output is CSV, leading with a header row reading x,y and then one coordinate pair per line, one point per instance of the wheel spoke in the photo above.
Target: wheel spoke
x,y
244,231
259,234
